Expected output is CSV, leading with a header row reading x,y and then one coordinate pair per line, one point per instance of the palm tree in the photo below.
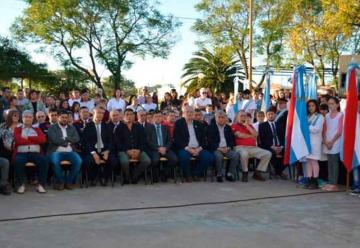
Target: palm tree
x,y
211,70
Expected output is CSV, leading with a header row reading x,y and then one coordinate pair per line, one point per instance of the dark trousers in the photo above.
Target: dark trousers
x,y
277,164
204,160
167,167
144,162
31,157
102,170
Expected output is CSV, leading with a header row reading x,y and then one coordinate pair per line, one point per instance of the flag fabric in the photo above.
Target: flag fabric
x,y
266,101
297,140
350,150
312,87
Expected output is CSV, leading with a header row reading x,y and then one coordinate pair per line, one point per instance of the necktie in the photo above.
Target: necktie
x,y
276,140
159,135
99,141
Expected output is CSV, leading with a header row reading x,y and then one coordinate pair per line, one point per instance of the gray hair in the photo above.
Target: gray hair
x,y
220,113
27,112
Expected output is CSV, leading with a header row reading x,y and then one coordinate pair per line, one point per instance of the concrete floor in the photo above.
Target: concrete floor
x,y
317,220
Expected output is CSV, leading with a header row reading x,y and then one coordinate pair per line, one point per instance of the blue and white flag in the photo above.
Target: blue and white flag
x,y
312,87
266,101
297,140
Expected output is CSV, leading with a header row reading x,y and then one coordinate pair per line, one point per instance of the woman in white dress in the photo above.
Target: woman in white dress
x,y
316,123
332,133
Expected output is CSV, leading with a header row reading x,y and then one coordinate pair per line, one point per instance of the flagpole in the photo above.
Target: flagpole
x,y
250,42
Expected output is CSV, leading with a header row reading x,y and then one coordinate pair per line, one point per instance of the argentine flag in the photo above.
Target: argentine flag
x,y
297,140
266,102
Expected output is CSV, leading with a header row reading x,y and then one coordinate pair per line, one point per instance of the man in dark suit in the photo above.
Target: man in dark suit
x,y
115,119
98,148
82,121
221,142
158,145
270,138
130,144
142,119
281,116
189,141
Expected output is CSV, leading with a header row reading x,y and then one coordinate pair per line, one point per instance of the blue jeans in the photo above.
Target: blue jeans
x,y
56,157
204,160
41,166
356,178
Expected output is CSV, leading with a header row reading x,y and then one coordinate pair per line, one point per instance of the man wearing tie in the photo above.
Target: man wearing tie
x,y
271,139
159,143
98,148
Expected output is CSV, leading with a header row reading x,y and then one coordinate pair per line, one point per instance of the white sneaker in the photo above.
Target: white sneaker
x,y
21,189
40,189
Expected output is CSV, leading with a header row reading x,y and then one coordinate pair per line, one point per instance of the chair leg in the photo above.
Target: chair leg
x,y
145,176
174,169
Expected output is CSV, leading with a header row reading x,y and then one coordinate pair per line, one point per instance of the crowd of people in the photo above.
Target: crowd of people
x,y
192,134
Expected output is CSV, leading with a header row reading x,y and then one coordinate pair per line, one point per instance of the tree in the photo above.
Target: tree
x,y
109,32
14,63
319,35
226,22
210,69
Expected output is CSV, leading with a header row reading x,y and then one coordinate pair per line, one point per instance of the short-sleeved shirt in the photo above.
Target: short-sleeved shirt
x,y
236,127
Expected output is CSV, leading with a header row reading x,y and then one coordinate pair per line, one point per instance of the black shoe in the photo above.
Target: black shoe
x,y
5,189
307,183
230,178
245,177
313,183
257,176
219,179
93,183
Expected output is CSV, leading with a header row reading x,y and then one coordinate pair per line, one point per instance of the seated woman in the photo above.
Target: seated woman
x,y
27,149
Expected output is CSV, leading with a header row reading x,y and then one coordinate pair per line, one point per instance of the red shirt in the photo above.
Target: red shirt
x,y
170,127
236,127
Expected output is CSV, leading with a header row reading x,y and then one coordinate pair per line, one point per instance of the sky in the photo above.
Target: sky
x,y
143,72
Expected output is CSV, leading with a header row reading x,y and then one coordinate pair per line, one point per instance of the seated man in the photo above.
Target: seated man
x,y
62,137
130,143
115,119
269,139
169,122
245,140
98,148
28,141
189,141
159,143
5,188
221,142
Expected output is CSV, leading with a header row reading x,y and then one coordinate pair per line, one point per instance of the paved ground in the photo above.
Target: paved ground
x,y
317,220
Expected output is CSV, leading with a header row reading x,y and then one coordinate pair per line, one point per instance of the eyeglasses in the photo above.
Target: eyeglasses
x,y
204,93
41,116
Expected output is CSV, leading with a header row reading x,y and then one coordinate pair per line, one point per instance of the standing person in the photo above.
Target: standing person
x,y
174,96
12,105
35,104
316,123
142,98
130,143
64,105
245,103
245,140
281,115
166,103
86,101
75,110
270,140
202,101
323,174
221,142
149,105
134,104
74,97
28,141
62,138
116,102
21,100
190,141
260,118
332,133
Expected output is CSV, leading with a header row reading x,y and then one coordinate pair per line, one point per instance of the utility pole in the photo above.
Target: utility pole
x,y
251,5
